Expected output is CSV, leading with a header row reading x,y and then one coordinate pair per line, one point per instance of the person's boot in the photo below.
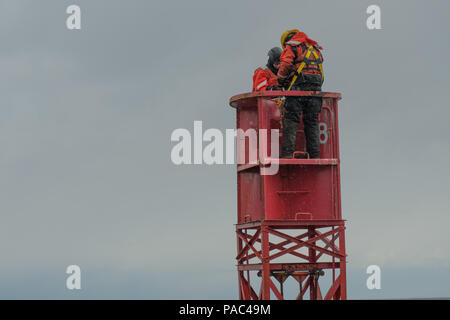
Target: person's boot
x,y
289,136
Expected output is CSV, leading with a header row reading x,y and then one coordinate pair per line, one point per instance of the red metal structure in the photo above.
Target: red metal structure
x,y
289,224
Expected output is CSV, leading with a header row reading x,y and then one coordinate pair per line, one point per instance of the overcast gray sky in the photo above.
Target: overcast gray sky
x,y
85,123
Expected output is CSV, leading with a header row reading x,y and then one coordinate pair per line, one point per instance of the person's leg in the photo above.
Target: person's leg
x,y
311,110
290,126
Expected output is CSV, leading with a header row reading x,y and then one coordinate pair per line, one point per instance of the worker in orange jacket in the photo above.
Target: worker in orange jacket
x,y
300,69
266,79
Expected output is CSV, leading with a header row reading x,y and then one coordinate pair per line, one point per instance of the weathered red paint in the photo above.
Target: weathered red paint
x,y
303,198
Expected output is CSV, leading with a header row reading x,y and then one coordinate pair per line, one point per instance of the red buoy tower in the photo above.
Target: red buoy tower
x,y
289,227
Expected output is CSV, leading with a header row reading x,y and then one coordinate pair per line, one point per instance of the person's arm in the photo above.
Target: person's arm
x,y
286,62
273,82
260,81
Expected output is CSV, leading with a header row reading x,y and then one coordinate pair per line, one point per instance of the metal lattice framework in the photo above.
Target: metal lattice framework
x,y
318,247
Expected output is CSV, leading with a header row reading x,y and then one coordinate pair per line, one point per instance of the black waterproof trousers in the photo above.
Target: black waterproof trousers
x,y
310,107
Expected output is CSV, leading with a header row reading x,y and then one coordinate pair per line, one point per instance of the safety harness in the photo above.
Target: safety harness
x,y
307,63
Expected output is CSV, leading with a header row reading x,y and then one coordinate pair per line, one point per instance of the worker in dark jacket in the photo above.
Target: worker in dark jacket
x,y
266,79
300,69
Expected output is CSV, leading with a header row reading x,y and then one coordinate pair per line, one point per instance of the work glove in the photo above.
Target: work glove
x,y
283,82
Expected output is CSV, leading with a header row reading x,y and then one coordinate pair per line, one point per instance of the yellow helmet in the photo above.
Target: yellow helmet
x,y
285,35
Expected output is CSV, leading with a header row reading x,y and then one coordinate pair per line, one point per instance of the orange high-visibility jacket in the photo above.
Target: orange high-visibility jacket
x,y
263,78
294,53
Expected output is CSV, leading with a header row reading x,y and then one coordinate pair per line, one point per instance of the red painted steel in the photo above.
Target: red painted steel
x,y
289,224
